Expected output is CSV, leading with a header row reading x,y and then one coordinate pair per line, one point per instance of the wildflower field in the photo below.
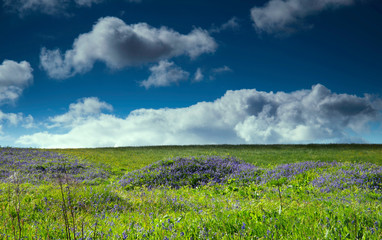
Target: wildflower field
x,y
192,192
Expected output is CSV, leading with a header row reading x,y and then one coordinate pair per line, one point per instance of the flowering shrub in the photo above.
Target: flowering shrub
x,y
191,171
38,166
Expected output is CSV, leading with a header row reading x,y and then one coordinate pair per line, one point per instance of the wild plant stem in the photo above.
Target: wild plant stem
x,y
9,210
281,203
82,229
64,211
355,227
71,207
95,229
18,204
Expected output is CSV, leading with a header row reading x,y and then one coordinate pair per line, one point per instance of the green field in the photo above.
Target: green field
x,y
132,158
332,192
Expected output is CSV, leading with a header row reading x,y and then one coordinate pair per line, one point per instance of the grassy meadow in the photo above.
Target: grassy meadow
x,y
192,192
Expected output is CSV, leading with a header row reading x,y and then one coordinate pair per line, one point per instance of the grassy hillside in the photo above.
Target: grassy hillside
x,y
132,158
276,192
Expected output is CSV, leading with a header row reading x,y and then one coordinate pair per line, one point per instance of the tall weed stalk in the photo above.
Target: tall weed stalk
x,y
68,210
14,202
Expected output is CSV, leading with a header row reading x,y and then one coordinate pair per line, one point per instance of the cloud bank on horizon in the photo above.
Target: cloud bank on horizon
x,y
244,116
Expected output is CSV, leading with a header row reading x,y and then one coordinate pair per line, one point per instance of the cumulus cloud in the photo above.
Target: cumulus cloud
x,y
119,45
242,116
231,24
286,15
165,74
11,118
83,109
198,76
15,119
14,78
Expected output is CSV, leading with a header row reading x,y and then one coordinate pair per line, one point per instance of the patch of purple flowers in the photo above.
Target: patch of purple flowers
x,y
291,170
38,166
199,171
190,171
366,175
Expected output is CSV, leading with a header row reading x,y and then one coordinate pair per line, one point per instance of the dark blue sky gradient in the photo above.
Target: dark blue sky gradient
x,y
338,48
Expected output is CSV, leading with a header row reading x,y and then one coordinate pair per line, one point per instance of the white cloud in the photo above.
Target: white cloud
x,y
28,122
243,116
14,78
232,24
120,45
81,110
222,69
11,118
286,15
15,119
165,74
87,3
198,76
50,7
219,70
10,123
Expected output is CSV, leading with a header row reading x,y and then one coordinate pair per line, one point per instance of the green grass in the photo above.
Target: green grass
x,y
289,209
125,159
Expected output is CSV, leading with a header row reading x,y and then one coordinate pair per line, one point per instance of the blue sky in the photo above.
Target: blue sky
x,y
92,73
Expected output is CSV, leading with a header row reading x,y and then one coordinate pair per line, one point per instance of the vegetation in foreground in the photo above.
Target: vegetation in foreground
x,y
44,195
